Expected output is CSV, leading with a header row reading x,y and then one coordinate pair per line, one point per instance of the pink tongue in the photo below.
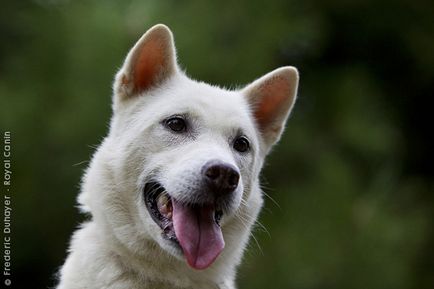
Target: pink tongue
x,y
200,237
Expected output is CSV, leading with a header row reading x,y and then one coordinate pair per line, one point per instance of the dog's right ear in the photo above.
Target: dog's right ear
x,y
149,63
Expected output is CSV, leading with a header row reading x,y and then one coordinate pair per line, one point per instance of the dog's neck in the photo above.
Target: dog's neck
x,y
157,269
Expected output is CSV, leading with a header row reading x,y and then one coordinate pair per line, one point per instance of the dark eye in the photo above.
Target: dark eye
x,y
176,124
241,144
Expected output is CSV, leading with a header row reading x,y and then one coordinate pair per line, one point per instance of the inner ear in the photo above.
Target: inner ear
x,y
154,62
271,99
150,62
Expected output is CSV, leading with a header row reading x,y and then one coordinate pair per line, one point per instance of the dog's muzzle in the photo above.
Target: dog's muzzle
x,y
193,223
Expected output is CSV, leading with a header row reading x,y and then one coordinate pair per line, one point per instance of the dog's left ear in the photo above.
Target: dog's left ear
x,y
149,63
271,98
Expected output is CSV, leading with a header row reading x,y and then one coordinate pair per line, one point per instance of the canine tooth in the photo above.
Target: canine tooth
x,y
162,199
162,202
164,205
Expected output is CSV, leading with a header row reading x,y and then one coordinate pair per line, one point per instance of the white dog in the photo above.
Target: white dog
x,y
173,190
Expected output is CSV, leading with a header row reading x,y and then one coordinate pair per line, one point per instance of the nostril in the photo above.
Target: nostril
x,y
213,172
233,178
220,177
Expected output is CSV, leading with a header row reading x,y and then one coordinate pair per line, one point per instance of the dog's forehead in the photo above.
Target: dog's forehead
x,y
214,105
216,102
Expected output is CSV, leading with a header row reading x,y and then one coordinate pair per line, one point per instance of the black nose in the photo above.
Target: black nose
x,y
220,177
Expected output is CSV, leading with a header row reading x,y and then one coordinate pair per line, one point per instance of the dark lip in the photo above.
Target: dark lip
x,y
152,191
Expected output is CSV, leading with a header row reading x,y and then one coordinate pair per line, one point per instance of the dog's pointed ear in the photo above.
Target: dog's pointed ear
x,y
271,99
149,63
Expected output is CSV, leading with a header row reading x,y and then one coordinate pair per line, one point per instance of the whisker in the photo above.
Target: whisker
x,y
250,232
272,200
80,163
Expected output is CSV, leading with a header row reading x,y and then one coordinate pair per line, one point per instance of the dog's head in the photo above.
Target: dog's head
x,y
183,157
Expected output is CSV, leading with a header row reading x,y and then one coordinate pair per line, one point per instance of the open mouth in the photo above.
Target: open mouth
x,y
194,228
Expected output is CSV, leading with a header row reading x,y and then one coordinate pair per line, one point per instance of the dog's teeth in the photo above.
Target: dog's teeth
x,y
162,199
164,206
162,202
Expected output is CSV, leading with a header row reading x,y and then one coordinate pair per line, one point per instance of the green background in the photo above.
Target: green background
x,y
352,178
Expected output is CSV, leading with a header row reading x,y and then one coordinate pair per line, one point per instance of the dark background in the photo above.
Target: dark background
x,y
352,177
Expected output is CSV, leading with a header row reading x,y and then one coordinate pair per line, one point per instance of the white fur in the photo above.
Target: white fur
x,y
121,246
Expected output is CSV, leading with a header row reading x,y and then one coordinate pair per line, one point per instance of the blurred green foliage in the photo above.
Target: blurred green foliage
x,y
351,183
